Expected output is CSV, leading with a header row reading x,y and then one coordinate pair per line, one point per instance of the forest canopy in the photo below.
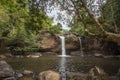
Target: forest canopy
x,y
22,20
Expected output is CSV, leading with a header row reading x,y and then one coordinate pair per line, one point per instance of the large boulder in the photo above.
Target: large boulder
x,y
49,75
6,70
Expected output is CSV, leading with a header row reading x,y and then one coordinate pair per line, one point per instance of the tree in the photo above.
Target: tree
x,y
78,6
20,23
112,18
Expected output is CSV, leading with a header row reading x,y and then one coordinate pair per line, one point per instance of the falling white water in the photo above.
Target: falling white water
x,y
62,68
81,51
63,45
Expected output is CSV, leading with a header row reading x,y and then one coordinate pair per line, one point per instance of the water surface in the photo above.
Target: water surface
x,y
71,64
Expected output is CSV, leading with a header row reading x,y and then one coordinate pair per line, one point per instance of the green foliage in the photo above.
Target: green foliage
x,y
111,12
4,20
20,23
77,26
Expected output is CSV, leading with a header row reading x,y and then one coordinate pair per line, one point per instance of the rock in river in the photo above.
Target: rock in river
x,y
49,75
5,70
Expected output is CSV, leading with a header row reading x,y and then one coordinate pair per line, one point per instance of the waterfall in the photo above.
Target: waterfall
x,y
81,51
63,45
62,68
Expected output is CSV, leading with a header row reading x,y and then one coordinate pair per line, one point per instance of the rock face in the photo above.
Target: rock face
x,y
52,43
48,42
49,75
5,70
72,42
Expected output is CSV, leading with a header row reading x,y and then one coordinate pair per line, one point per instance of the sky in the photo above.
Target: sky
x,y
59,16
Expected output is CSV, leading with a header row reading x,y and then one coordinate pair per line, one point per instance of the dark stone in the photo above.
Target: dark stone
x,y
118,73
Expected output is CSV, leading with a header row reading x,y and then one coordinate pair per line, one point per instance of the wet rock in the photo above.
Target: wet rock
x,y
10,78
19,56
98,55
19,75
76,76
97,73
36,55
49,75
2,56
27,72
6,70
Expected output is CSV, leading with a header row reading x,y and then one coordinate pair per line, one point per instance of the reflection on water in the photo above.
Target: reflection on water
x,y
62,68
62,64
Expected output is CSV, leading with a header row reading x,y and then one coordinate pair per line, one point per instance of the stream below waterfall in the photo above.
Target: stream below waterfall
x,y
70,64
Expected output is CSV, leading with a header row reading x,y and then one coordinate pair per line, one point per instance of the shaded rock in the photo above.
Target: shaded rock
x,y
8,55
49,75
5,70
76,76
27,72
118,73
97,73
